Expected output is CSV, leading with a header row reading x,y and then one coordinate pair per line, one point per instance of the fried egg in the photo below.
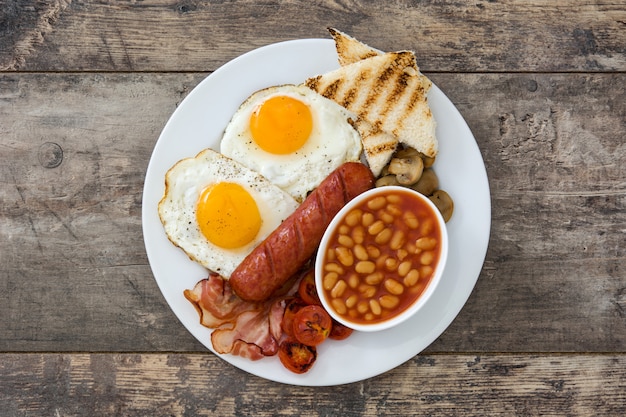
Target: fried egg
x,y
293,136
218,211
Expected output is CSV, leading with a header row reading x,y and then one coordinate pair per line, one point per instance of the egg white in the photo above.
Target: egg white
x,y
184,183
332,142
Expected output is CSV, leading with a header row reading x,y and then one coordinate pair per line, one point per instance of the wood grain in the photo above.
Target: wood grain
x,y
189,35
72,249
74,271
202,385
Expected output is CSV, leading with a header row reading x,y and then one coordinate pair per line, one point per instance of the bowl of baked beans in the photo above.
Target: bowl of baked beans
x,y
381,258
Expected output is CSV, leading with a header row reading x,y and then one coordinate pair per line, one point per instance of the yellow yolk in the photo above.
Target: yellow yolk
x,y
281,124
227,215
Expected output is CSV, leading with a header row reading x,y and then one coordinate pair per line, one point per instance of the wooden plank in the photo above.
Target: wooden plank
x,y
193,384
558,212
556,256
158,35
74,270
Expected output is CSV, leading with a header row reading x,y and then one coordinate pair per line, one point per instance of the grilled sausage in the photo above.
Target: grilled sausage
x,y
293,243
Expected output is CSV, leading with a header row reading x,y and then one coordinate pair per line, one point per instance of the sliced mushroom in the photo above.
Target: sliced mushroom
x,y
389,179
428,183
407,170
444,203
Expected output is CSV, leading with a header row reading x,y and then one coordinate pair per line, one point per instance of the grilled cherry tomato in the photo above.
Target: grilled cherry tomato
x,y
307,290
291,308
311,325
296,356
339,331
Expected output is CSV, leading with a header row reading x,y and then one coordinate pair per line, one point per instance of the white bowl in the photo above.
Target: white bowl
x,y
378,324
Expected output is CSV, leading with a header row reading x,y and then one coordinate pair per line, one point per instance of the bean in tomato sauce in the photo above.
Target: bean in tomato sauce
x,y
381,257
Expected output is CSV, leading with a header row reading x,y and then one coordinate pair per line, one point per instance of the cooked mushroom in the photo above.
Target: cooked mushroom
x,y
407,170
444,203
389,179
406,152
428,182
428,160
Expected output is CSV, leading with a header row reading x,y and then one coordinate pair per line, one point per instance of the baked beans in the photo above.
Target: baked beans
x,y
381,257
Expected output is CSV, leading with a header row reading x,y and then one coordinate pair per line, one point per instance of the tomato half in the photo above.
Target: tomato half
x,y
307,290
311,325
339,331
291,308
296,356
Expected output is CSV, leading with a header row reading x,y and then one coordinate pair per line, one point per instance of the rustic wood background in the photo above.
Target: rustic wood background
x,y
85,89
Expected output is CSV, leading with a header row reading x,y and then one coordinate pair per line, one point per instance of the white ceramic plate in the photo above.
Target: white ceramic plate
x,y
199,122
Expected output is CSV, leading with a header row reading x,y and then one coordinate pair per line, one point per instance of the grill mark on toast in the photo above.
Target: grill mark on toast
x,y
382,148
374,93
331,89
313,83
369,55
416,94
399,88
349,97
391,78
391,99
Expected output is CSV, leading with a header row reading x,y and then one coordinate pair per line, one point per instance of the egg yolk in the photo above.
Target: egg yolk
x,y
281,125
227,215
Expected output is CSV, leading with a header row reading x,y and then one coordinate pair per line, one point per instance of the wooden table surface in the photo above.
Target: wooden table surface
x,y
86,88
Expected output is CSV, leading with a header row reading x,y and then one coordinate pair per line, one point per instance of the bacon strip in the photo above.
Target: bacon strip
x,y
247,350
276,313
216,303
251,327
247,329
241,328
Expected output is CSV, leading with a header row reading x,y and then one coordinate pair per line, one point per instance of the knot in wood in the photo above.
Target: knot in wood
x,y
50,155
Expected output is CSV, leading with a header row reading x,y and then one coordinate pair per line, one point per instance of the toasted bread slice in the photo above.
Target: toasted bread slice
x,y
350,50
388,92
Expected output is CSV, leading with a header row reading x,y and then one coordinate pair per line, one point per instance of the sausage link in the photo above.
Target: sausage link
x,y
293,243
